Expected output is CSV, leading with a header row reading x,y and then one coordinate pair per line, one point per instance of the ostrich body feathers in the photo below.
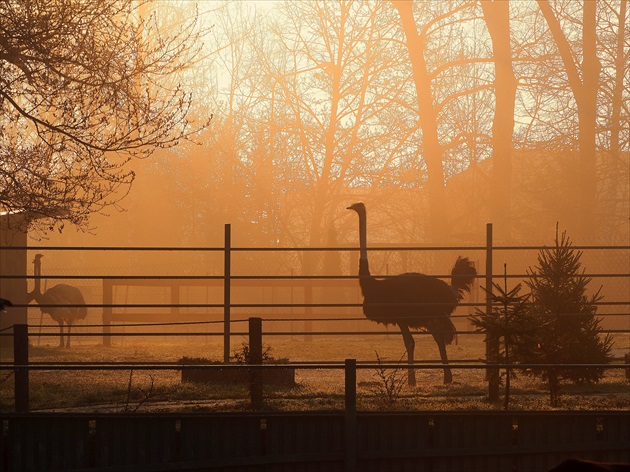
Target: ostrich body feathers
x,y
421,302
63,294
64,303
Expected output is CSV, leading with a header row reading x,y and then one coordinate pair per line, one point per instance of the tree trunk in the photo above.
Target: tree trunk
x,y
615,127
585,93
438,210
497,17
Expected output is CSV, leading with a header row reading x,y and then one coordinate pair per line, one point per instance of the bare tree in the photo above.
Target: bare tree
x,y
614,116
497,17
341,104
584,82
84,87
452,88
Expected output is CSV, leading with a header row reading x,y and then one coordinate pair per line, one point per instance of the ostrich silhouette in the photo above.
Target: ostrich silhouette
x,y
413,300
64,303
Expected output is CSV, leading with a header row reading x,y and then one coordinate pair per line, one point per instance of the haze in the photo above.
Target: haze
x,y
319,104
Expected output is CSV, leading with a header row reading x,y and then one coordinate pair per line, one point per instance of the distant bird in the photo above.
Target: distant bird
x,y
413,300
64,303
4,304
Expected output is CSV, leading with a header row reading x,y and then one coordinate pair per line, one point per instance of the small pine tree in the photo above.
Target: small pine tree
x,y
572,333
512,323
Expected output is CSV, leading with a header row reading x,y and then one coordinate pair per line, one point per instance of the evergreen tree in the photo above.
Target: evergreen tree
x,y
513,324
572,333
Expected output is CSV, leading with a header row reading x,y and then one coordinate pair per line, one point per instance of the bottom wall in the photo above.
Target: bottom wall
x,y
312,441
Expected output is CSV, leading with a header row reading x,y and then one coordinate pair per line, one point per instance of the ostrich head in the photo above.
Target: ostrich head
x,y
37,264
37,272
358,207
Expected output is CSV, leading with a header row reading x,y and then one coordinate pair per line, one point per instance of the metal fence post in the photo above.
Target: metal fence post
x,y
492,343
227,292
351,415
255,358
20,357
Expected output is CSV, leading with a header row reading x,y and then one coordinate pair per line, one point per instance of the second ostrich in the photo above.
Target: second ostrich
x,y
64,303
412,300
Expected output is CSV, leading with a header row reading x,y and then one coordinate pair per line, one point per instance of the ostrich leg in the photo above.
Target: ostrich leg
x,y
410,345
448,376
68,335
60,333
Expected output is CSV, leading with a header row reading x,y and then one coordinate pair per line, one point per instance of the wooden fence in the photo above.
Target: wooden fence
x,y
312,441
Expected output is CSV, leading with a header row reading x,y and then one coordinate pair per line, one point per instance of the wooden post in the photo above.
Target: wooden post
x,y
108,299
20,357
492,343
227,293
175,289
351,415
255,358
308,311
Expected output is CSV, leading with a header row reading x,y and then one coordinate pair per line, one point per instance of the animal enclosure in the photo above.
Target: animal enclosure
x,y
198,299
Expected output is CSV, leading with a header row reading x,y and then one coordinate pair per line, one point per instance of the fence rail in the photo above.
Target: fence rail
x,y
229,281
21,366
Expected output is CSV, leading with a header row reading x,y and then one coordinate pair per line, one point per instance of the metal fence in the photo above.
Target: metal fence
x,y
348,440
220,315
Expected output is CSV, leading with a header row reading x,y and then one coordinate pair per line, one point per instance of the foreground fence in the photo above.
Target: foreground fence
x,y
224,308
312,441
254,368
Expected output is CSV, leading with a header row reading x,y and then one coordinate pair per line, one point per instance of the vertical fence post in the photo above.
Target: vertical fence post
x,y
351,415
255,358
308,311
108,298
20,357
175,286
227,292
492,343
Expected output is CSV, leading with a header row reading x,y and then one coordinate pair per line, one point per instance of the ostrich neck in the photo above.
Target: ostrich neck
x,y
363,254
37,281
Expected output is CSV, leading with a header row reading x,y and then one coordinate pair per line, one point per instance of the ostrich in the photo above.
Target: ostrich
x,y
70,300
4,303
413,300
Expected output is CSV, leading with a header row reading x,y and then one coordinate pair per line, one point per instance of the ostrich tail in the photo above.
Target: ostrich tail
x,y
463,276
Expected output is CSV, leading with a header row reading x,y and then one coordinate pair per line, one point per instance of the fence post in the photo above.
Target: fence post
x,y
255,358
108,300
20,357
492,343
175,286
351,415
227,292
308,311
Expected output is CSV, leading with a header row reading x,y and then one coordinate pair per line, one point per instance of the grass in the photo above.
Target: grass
x,y
321,389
